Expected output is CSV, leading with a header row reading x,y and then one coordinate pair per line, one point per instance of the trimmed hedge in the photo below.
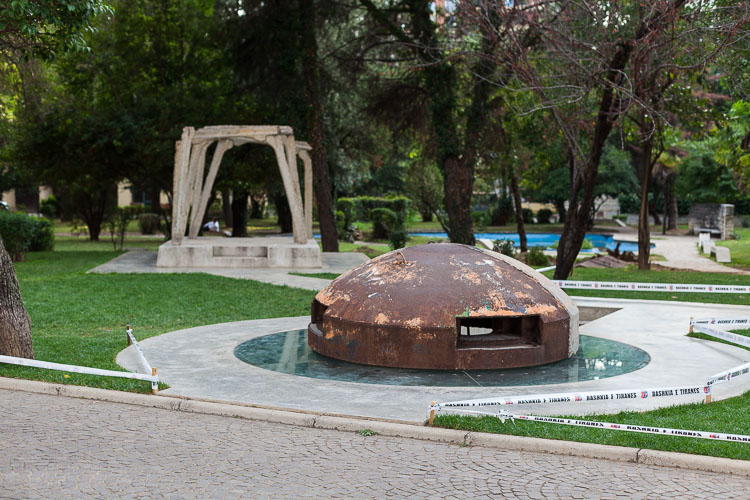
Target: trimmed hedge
x,y
388,216
25,233
359,208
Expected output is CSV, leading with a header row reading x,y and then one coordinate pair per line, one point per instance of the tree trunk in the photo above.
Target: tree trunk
x,y
665,195
672,205
239,213
644,237
311,74
226,207
457,184
15,324
283,212
519,208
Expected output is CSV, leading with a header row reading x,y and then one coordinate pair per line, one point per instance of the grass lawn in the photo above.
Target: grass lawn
x,y
80,319
739,249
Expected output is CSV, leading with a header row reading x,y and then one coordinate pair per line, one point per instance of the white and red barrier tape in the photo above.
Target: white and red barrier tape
x,y
653,287
701,325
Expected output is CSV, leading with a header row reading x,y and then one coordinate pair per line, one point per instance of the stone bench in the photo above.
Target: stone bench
x,y
721,253
699,230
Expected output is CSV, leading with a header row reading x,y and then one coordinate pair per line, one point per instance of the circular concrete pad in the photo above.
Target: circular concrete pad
x,y
199,362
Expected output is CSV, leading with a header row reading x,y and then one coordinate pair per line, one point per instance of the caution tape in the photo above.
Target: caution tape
x,y
729,375
646,429
581,397
721,334
731,322
705,325
653,287
76,369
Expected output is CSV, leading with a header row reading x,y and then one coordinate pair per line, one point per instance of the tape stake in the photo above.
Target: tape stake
x,y
154,383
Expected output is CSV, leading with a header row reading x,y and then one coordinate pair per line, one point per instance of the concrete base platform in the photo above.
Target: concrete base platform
x,y
200,362
233,253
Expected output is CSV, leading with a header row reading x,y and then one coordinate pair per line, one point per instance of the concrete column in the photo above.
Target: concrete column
x,y
292,195
180,184
199,207
726,221
307,161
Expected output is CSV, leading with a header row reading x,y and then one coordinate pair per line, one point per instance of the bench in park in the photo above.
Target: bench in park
x,y
710,248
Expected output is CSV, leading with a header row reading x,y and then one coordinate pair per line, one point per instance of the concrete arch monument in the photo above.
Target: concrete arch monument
x,y
192,189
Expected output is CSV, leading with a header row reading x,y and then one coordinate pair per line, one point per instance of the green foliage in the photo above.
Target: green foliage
x,y
480,220
118,224
544,215
732,143
503,210
528,215
630,203
536,257
345,229
149,223
504,247
425,188
361,206
42,235
383,221
41,26
49,207
23,233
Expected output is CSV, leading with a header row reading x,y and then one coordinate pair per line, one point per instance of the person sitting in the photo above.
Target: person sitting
x,y
212,226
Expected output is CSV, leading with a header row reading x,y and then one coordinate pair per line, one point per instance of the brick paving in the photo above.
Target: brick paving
x,y
58,447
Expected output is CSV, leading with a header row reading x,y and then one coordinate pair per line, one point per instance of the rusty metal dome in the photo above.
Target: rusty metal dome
x,y
444,306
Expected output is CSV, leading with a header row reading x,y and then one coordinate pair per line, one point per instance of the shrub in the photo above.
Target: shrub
x,y
536,257
544,216
745,221
528,215
118,224
503,211
397,238
344,228
148,223
480,220
42,235
630,203
505,247
22,233
49,207
361,206
383,221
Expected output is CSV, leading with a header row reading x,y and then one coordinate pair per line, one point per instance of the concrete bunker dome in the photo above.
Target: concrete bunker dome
x,y
444,306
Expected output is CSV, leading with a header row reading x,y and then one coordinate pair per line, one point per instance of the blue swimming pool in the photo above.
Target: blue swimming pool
x,y
547,240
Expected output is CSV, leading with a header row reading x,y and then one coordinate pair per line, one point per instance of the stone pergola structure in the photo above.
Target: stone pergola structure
x,y
192,190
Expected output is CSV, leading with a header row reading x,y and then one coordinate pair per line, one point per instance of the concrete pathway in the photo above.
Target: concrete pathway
x,y
59,447
681,252
144,261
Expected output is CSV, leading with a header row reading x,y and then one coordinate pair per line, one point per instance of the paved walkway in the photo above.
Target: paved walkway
x,y
58,447
681,252
144,261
